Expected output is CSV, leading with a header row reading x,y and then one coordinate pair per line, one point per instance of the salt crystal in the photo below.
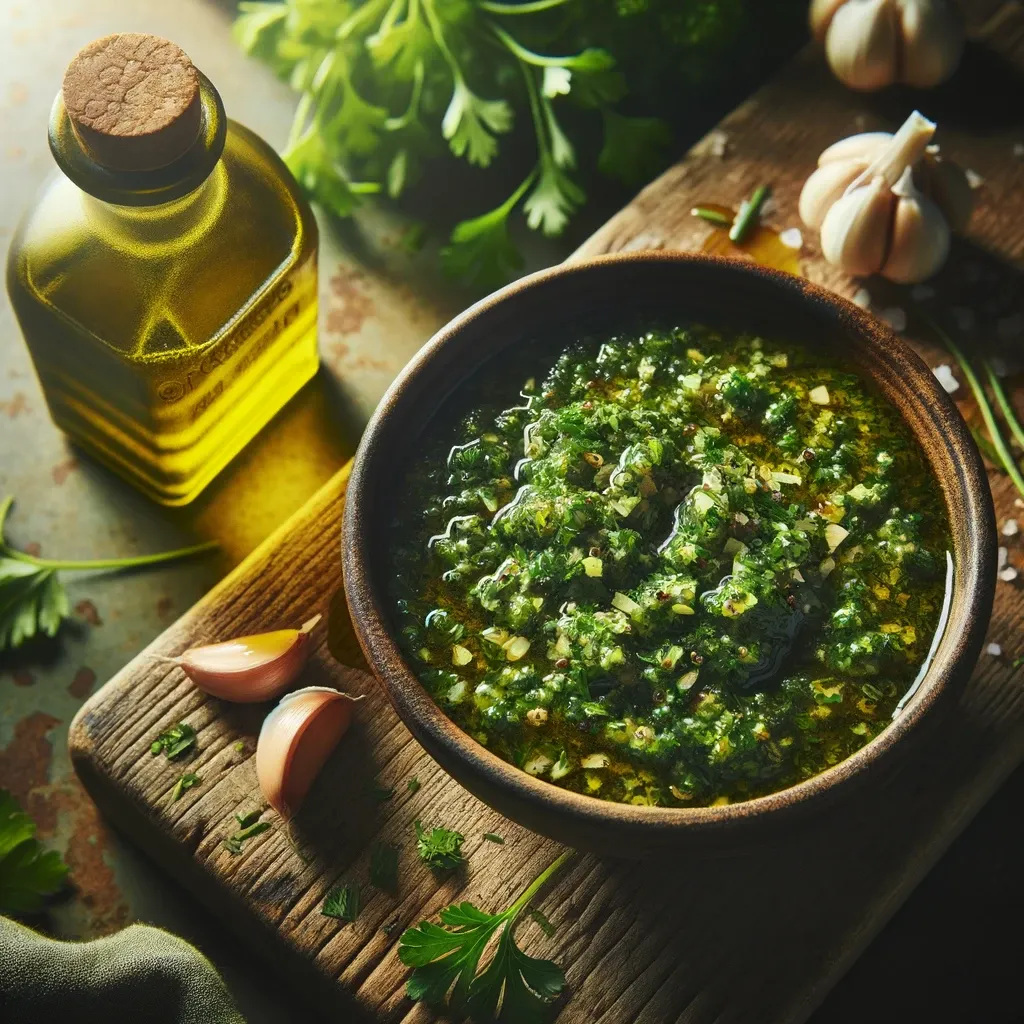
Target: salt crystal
x,y
995,650
862,298
791,238
964,317
895,317
1010,528
1018,503
1009,327
1000,558
769,206
922,292
945,377
1018,149
1008,575
718,143
974,179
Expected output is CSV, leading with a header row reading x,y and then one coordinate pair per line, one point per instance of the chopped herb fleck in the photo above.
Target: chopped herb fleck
x,y
248,831
414,784
245,820
439,848
342,902
174,741
493,837
187,781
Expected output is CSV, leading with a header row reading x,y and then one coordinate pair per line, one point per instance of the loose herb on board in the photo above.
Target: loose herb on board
x,y
234,843
439,848
174,741
342,902
493,837
414,785
513,987
186,782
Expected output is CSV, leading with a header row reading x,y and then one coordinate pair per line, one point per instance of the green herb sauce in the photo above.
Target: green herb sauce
x,y
687,568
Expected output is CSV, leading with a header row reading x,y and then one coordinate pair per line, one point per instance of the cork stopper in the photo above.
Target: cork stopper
x,y
133,100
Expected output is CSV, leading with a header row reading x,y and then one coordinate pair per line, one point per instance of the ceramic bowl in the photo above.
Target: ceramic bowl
x,y
601,294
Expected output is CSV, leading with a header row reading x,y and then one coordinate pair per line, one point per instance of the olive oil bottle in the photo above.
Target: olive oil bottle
x,y
165,277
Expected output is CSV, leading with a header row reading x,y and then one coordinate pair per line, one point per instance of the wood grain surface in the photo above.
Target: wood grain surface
x,y
758,936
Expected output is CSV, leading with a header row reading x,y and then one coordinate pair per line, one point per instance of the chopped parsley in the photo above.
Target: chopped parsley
x,y
187,781
249,827
493,837
175,741
439,848
413,785
342,902
681,568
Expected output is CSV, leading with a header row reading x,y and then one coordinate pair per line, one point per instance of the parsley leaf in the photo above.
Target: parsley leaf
x,y
28,874
470,121
553,199
514,987
33,601
174,741
439,848
342,902
384,866
493,837
414,784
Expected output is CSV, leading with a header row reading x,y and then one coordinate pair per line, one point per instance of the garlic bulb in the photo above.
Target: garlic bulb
x,y
872,215
249,668
943,181
295,741
873,43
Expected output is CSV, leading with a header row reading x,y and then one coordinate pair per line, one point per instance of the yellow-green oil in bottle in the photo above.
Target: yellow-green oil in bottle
x,y
171,311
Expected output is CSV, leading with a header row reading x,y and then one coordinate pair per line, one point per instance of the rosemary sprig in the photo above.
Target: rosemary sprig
x,y
748,215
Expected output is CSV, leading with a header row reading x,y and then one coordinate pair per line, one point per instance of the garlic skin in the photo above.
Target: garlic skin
x,y
295,741
919,243
946,184
874,43
250,668
854,232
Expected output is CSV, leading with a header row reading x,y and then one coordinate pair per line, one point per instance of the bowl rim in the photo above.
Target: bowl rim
x,y
951,661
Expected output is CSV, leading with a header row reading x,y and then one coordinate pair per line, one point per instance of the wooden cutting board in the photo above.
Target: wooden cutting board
x,y
760,936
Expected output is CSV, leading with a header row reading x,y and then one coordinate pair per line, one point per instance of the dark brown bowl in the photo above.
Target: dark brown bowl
x,y
561,304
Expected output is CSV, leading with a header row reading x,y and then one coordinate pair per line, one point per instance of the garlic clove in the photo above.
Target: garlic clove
x,y
946,184
296,739
855,231
864,146
933,40
903,150
820,16
824,187
250,668
862,44
920,235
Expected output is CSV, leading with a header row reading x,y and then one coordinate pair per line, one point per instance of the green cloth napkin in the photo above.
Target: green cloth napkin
x,y
139,974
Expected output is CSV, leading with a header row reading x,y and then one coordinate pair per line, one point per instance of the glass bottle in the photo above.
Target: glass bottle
x,y
165,277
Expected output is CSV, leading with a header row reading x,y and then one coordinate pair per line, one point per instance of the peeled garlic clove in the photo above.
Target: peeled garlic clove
x,y
821,14
920,237
933,40
250,668
862,44
824,187
945,183
855,230
864,146
296,739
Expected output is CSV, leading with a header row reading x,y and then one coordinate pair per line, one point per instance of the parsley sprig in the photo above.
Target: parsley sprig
x,y
28,873
33,601
439,848
514,987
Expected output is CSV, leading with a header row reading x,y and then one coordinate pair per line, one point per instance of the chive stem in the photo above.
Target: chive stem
x,y
711,216
1004,403
984,406
748,215
112,563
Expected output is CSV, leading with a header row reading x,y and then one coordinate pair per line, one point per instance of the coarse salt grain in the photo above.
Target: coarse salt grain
x,y
895,317
1018,149
1001,558
1008,575
862,298
1018,503
995,650
769,206
944,373
1010,528
791,238
974,179
718,144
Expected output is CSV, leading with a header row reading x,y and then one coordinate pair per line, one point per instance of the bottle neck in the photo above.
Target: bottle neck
x,y
160,187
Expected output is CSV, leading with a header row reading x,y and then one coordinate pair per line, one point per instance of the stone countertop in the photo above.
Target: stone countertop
x,y
373,316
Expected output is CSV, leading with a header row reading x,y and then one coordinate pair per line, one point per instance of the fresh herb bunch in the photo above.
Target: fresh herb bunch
x,y
513,987
439,848
387,85
28,874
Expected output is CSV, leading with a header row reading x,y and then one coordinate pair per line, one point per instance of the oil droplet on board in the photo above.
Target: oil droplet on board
x,y
763,244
